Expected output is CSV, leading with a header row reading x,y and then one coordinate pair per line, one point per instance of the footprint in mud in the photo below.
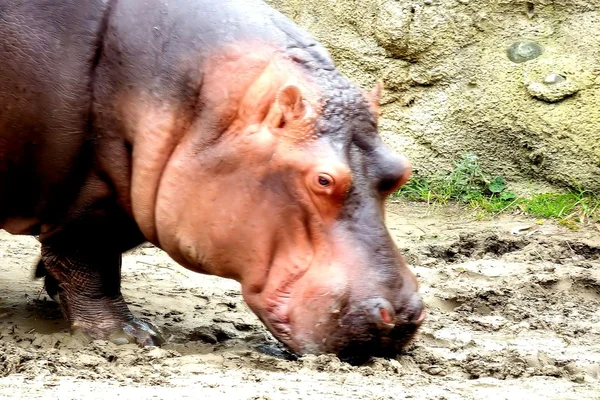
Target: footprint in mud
x,y
212,334
265,344
45,309
42,316
237,333
588,283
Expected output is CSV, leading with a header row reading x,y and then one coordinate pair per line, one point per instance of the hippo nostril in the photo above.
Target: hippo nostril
x,y
385,316
380,312
416,309
395,172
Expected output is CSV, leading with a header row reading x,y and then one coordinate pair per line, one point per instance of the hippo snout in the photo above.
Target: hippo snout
x,y
379,339
376,328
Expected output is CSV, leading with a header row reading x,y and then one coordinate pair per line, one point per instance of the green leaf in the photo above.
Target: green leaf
x,y
497,185
508,196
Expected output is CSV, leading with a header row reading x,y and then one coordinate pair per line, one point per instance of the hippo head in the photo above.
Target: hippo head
x,y
280,183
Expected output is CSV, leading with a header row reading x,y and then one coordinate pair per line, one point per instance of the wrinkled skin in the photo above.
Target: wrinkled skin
x,y
223,134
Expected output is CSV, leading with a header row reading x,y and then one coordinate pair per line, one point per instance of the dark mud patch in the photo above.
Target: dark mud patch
x,y
471,245
488,245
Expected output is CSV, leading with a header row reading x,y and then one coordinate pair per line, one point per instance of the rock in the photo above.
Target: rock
x,y
554,79
552,92
524,51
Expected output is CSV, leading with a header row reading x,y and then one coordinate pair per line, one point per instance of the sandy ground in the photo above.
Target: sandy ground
x,y
512,314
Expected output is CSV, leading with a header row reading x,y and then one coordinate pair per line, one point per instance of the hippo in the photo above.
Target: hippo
x,y
218,131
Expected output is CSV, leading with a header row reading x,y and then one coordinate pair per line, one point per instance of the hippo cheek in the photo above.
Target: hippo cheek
x,y
314,311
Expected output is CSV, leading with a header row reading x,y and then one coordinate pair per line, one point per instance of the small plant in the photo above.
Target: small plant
x,y
415,189
468,184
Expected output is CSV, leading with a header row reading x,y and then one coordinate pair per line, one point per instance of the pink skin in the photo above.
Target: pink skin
x,y
241,195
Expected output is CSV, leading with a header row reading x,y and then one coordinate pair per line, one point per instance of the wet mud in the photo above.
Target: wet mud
x,y
513,313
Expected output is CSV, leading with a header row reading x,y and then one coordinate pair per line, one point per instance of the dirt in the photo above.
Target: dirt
x,y
513,313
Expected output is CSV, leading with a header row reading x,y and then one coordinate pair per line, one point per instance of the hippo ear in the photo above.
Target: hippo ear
x,y
291,103
374,97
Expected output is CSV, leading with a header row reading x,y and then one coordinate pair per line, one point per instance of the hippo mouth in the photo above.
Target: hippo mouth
x,y
276,315
278,321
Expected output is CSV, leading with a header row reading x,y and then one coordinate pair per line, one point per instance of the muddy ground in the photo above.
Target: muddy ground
x,y
513,313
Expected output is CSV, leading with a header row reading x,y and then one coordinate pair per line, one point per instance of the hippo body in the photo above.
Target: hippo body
x,y
218,131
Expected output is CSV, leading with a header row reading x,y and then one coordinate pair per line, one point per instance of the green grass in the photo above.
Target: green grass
x,y
468,184
569,208
552,205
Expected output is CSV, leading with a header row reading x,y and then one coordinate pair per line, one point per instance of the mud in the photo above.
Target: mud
x,y
513,313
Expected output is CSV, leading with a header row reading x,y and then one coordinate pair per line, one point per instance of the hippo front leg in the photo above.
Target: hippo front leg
x,y
89,289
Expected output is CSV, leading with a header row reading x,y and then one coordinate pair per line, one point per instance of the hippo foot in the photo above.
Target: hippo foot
x,y
134,331
138,331
87,287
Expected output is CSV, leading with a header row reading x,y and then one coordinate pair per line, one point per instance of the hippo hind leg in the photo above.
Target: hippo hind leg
x,y
88,285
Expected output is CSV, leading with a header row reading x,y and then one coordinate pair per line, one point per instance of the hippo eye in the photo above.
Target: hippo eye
x,y
325,180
